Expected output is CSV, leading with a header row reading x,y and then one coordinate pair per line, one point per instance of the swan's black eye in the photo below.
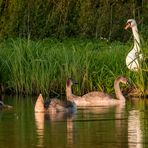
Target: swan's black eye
x,y
129,23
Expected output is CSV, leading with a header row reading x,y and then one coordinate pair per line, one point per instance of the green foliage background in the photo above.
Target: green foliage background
x,y
43,42
60,18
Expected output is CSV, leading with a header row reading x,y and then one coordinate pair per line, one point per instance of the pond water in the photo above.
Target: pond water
x,y
98,127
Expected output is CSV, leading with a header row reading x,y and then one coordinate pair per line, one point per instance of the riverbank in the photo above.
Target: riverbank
x,y
30,67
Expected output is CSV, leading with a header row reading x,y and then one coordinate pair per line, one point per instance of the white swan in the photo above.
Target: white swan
x,y
134,56
102,99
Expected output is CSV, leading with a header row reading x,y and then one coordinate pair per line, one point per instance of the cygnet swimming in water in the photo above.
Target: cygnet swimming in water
x,y
55,105
97,98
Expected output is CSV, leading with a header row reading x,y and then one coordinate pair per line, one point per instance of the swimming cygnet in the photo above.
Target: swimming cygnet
x,y
56,105
97,98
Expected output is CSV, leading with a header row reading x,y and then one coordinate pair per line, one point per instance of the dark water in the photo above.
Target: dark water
x,y
97,127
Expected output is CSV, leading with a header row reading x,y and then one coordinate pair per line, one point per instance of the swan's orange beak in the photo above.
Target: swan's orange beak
x,y
128,25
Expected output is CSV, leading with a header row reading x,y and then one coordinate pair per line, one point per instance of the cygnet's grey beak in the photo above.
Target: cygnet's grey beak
x,y
73,81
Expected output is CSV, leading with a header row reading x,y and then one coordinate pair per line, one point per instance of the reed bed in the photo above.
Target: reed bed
x,y
31,67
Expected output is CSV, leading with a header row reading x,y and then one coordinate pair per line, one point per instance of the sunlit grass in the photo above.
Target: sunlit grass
x,y
31,67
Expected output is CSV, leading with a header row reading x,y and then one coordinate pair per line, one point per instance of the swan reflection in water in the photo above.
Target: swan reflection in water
x,y
61,116
134,131
39,119
135,134
127,124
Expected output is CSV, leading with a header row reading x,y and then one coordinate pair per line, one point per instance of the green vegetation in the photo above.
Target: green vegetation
x,y
29,67
36,53
60,18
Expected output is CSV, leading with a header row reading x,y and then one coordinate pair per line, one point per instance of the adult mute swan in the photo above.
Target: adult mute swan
x,y
96,98
55,105
134,56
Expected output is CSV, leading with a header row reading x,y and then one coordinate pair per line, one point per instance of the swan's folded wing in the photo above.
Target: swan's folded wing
x,y
96,95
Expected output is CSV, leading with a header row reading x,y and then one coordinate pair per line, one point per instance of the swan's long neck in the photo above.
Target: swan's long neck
x,y
68,92
136,39
118,91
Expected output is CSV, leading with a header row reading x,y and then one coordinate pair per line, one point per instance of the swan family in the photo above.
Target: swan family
x,y
95,98
134,56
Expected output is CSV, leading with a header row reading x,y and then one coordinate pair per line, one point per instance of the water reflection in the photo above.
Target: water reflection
x,y
69,132
64,117
120,121
114,127
95,110
40,119
134,126
102,127
134,130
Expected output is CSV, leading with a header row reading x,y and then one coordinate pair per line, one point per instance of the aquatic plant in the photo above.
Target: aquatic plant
x,y
31,67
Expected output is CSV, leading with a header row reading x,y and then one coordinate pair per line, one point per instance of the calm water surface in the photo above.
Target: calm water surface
x,y
90,127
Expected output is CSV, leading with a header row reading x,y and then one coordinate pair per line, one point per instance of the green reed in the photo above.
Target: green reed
x,y
31,67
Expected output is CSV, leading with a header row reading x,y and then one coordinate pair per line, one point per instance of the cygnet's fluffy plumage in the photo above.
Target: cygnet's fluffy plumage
x,y
102,99
55,105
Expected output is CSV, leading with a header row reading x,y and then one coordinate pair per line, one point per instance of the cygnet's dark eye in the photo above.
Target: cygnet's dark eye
x,y
129,23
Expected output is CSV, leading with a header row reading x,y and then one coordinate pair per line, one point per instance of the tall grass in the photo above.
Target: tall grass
x,y
31,67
